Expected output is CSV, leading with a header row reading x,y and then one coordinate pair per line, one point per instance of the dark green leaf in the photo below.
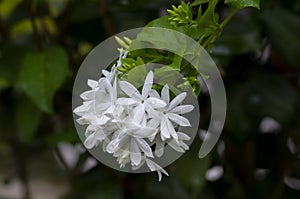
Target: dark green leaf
x,y
240,4
42,74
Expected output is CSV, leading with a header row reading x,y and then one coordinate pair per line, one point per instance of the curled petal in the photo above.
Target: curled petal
x,y
90,142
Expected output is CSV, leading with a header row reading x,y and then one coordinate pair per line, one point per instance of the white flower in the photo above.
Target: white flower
x,y
168,118
141,102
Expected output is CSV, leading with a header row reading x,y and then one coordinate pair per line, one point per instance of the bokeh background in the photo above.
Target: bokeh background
x,y
42,44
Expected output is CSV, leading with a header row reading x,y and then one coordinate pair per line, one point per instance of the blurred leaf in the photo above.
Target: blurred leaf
x,y
42,74
57,6
170,187
283,28
7,7
27,119
263,95
194,177
25,26
10,62
238,37
240,4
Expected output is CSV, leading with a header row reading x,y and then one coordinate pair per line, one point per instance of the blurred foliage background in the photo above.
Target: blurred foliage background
x,y
42,44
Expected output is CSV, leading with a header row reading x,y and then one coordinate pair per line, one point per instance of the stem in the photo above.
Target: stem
x,y
228,18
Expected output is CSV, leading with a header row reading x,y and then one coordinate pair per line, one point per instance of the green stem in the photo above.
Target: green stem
x,y
228,18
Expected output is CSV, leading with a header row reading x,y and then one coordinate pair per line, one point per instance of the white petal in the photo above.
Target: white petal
x,y
126,101
182,121
99,135
183,136
135,153
154,93
155,167
92,83
143,132
165,95
175,146
90,141
153,123
145,147
164,132
177,100
130,90
88,95
147,85
113,146
81,110
182,109
155,103
105,73
159,148
139,114
172,130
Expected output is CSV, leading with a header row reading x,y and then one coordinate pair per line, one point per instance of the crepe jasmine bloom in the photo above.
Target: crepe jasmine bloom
x,y
128,143
171,114
141,102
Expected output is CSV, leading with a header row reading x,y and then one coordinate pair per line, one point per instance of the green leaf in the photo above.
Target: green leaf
x,y
283,28
240,4
42,74
199,2
27,117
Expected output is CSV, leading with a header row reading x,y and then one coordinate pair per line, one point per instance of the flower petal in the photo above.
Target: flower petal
x,y
183,136
154,93
175,146
139,114
165,95
135,153
182,121
155,103
90,141
182,109
144,146
164,131
147,85
143,132
177,100
159,148
130,90
113,146
125,101
92,83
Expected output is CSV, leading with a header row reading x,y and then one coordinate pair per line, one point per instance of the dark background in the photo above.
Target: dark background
x,y
42,44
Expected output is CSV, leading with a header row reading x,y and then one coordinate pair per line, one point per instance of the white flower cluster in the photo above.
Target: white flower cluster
x,y
127,127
